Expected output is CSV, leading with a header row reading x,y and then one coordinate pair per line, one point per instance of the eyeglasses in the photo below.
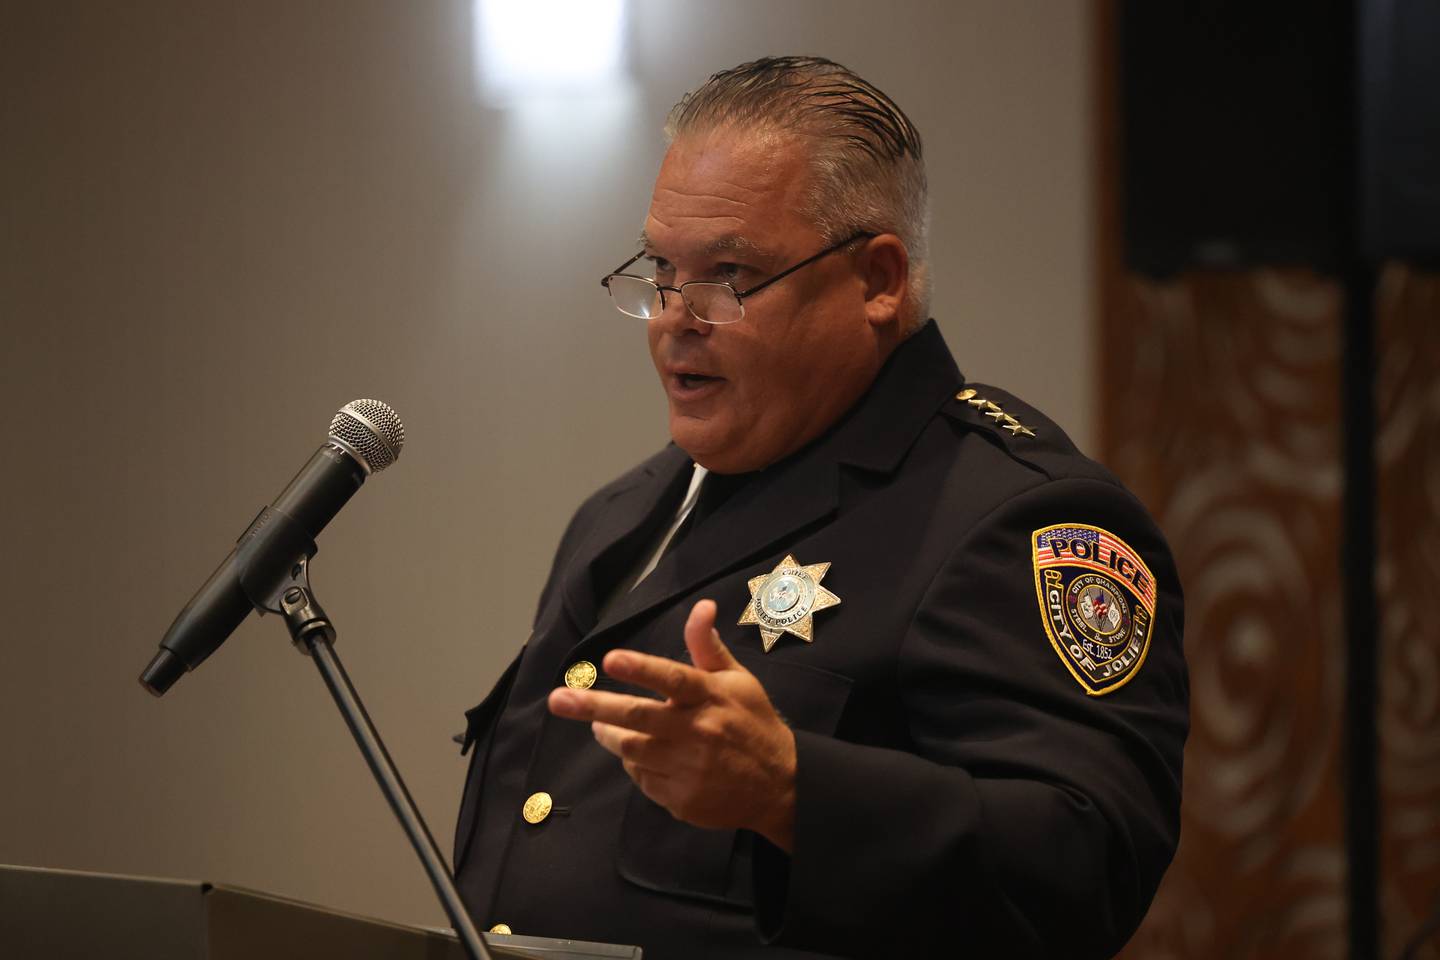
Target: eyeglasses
x,y
710,301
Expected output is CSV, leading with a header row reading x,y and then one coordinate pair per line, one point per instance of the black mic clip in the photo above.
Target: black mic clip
x,y
273,558
270,556
304,617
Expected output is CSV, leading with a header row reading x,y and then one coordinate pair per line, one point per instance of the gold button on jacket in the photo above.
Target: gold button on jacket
x,y
537,807
581,675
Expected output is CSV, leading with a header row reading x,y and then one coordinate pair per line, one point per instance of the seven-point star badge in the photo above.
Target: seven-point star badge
x,y
785,600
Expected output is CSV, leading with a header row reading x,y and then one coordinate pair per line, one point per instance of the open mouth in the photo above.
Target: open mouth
x,y
690,381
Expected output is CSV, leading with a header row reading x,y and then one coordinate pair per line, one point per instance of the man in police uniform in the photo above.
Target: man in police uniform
x,y
870,661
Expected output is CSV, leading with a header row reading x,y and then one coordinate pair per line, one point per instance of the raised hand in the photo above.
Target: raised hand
x,y
714,752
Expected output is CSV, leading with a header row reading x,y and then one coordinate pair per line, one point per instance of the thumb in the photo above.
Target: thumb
x,y
706,649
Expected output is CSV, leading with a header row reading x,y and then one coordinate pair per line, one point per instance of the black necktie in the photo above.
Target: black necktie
x,y
715,489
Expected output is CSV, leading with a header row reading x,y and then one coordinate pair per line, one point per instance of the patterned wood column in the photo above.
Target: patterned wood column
x,y
1222,413
1408,408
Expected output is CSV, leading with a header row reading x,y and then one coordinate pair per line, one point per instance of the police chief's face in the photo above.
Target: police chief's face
x,y
730,206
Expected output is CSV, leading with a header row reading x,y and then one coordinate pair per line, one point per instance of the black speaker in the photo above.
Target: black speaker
x,y
1242,143
1400,130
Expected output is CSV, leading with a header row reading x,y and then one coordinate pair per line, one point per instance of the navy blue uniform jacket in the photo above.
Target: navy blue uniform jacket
x,y
960,791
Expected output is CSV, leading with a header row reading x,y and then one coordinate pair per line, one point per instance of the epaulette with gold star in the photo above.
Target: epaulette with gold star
x,y
990,410
1023,432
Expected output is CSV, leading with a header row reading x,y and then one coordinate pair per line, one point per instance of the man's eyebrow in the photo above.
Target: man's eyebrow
x,y
729,243
732,243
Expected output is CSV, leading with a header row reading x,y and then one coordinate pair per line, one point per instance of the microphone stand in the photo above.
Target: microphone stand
x,y
314,636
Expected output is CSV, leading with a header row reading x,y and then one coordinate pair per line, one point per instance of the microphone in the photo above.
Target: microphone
x,y
365,437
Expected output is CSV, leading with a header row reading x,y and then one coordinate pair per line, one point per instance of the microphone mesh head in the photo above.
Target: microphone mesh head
x,y
370,430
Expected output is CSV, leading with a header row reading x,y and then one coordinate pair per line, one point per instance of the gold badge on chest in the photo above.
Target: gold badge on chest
x,y
786,599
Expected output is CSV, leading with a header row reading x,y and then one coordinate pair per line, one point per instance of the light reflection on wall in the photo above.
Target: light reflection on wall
x,y
528,50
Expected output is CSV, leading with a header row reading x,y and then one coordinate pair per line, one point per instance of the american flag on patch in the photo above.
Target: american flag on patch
x,y
1054,547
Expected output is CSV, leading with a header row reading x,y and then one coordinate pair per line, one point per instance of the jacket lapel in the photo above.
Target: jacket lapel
x,y
629,521
801,492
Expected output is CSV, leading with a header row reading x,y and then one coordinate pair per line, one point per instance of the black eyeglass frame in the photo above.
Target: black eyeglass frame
x,y
740,295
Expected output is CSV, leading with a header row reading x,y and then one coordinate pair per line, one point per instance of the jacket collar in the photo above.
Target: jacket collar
x,y
917,379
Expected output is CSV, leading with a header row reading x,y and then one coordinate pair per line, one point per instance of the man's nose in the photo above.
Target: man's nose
x,y
675,316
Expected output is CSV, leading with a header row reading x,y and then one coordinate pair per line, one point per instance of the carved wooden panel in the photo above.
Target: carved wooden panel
x,y
1221,408
1222,413
1408,409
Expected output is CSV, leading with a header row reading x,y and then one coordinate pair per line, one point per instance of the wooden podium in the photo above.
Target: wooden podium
x,y
62,914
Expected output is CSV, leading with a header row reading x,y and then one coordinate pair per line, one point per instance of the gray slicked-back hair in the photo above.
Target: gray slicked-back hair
x,y
869,173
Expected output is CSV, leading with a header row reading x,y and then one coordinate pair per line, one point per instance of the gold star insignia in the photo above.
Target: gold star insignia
x,y
786,599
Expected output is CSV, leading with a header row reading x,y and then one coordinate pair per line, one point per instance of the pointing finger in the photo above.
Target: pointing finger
x,y
683,684
617,709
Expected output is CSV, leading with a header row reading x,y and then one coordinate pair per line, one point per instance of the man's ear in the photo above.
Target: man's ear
x,y
885,265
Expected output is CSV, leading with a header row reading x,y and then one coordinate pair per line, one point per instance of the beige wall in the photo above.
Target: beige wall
x,y
220,221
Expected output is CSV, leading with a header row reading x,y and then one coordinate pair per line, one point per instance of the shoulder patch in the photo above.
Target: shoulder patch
x,y
1097,601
